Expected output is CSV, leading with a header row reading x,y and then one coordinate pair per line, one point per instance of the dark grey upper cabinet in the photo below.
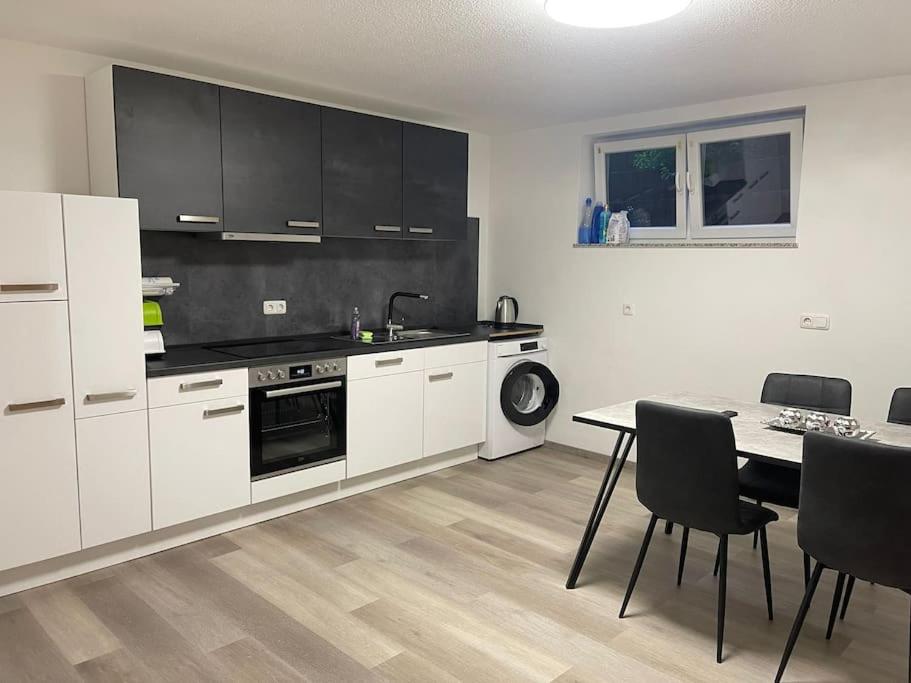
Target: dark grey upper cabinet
x,y
169,149
271,164
435,183
362,175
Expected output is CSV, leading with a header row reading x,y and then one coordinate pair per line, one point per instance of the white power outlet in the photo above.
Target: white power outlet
x,y
629,309
276,307
814,321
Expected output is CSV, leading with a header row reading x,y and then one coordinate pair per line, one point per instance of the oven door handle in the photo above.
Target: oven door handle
x,y
294,391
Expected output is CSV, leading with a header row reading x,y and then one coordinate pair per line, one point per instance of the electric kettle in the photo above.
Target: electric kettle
x,y
507,312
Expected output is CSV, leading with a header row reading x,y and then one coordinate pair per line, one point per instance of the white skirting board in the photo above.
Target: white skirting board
x,y
56,569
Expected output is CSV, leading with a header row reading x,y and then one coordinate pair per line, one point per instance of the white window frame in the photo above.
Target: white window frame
x,y
603,149
697,229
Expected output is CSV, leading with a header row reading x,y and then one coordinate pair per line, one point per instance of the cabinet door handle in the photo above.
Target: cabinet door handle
x,y
386,362
36,405
440,377
218,412
314,225
189,218
387,228
420,231
111,396
204,384
29,287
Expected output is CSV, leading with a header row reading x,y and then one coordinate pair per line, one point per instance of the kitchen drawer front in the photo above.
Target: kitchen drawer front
x,y
114,495
455,354
200,386
200,460
32,266
295,482
383,364
455,407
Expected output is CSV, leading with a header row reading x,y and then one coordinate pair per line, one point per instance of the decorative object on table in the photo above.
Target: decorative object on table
x,y
794,421
585,226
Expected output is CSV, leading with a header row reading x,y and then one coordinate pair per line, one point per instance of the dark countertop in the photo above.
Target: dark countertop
x,y
179,360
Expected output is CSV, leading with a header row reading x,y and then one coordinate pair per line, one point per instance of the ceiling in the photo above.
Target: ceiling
x,y
490,65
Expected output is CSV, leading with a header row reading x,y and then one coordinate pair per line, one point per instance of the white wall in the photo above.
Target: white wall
x,y
717,321
43,144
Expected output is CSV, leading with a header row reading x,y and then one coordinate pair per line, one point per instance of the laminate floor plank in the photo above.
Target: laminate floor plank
x,y
456,575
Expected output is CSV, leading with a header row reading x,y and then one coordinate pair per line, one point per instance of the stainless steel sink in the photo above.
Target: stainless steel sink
x,y
399,336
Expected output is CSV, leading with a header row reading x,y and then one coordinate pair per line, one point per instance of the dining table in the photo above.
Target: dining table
x,y
754,439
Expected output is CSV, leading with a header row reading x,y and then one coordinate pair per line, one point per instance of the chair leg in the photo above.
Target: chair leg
x,y
806,570
799,619
756,533
686,538
836,601
642,551
848,591
766,571
722,594
668,527
717,559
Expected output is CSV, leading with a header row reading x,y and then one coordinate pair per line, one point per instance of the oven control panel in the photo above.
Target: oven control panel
x,y
272,375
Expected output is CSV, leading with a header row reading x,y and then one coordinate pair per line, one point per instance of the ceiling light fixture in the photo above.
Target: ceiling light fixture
x,y
612,13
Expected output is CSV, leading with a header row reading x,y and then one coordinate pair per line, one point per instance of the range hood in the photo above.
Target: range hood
x,y
263,237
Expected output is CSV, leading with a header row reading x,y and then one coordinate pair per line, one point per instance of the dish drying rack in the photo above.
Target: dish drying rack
x,y
159,286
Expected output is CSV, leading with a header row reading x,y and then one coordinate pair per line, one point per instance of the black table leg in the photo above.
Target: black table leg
x,y
611,477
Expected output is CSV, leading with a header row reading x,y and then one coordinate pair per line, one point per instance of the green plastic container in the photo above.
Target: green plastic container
x,y
151,314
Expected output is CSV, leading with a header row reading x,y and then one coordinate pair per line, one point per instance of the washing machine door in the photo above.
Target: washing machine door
x,y
529,393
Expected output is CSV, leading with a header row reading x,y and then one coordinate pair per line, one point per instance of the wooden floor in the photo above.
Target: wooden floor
x,y
453,576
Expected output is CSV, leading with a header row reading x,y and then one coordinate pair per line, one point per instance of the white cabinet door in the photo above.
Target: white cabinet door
x,y
39,511
105,294
200,456
31,247
114,496
455,407
384,422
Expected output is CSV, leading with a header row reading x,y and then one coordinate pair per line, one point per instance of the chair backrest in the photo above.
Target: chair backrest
x,y
900,409
810,392
855,507
686,466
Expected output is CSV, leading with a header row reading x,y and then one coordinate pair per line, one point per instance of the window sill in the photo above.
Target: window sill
x,y
693,244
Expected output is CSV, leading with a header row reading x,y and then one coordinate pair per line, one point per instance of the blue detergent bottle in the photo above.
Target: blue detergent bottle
x,y
585,227
596,222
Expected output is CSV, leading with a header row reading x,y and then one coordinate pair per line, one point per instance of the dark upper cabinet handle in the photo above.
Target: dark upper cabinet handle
x,y
189,218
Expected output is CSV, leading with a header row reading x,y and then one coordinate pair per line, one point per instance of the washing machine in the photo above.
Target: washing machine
x,y
521,393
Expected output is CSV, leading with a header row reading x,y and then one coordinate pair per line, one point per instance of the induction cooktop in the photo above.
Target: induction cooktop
x,y
277,347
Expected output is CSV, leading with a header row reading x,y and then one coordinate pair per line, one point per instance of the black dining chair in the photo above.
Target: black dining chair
x,y
899,413
858,528
686,473
768,483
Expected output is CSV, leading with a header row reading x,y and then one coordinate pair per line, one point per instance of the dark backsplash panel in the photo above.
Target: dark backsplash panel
x,y
224,284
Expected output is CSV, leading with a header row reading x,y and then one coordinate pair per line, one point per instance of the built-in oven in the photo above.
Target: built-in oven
x,y
297,416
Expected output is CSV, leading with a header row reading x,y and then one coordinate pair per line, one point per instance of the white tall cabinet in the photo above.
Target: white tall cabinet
x,y
74,454
112,440
39,509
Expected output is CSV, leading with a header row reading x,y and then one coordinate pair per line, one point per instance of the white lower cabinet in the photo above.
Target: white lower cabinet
x,y
455,407
200,454
39,508
114,492
385,422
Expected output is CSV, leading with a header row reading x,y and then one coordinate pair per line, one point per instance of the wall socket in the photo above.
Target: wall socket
x,y
629,309
814,321
276,307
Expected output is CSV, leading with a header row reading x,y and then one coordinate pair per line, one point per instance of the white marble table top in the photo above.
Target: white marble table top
x,y
754,439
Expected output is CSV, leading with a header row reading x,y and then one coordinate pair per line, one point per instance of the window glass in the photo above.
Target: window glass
x,y
747,181
642,182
